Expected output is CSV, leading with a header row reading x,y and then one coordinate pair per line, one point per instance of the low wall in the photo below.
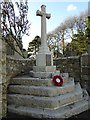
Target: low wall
x,y
16,67
77,67
3,82
85,71
69,64
10,67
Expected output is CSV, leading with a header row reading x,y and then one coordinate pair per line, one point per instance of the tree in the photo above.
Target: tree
x,y
34,45
75,28
87,32
79,43
15,26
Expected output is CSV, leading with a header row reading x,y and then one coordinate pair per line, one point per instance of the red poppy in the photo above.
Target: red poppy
x,y
57,80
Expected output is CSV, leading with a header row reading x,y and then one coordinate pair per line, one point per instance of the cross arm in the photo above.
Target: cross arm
x,y
38,13
48,16
41,13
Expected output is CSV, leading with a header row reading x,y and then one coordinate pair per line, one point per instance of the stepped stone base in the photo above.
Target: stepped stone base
x,y
36,96
47,102
31,81
64,112
46,90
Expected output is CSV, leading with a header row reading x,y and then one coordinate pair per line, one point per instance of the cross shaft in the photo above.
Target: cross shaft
x,y
43,15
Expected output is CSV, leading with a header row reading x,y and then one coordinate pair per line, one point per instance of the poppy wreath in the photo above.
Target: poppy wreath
x,y
57,80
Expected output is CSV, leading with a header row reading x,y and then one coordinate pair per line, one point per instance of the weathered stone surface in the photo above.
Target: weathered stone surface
x,y
17,66
31,81
42,61
85,77
64,112
3,99
46,102
42,94
0,96
0,92
42,90
44,68
44,74
26,80
85,60
48,60
85,70
0,108
89,47
70,65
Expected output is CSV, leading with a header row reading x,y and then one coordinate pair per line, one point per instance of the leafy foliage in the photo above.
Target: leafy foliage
x,y
75,28
34,45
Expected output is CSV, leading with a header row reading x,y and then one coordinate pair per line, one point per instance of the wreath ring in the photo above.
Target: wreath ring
x,y
58,80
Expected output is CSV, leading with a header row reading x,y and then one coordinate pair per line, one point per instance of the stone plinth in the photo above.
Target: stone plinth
x,y
44,68
43,74
40,98
44,59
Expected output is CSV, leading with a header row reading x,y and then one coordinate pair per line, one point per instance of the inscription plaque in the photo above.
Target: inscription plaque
x,y
48,60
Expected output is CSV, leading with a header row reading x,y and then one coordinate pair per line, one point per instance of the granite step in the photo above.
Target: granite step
x,y
64,112
44,74
44,68
42,90
46,102
27,80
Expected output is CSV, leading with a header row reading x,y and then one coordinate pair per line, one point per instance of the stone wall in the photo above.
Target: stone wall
x,y
69,64
3,82
16,67
85,70
77,67
10,67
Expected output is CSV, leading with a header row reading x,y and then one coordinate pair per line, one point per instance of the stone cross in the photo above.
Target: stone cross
x,y
43,15
43,57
